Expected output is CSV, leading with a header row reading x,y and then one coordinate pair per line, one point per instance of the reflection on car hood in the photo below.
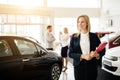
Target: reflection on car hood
x,y
53,53
109,37
113,51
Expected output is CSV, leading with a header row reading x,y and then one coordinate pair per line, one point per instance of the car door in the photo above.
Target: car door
x,y
10,64
32,61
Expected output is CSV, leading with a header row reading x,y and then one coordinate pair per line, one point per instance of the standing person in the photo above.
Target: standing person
x,y
82,51
64,41
49,38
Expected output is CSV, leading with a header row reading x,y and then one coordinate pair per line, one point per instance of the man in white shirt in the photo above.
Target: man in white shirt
x,y
49,38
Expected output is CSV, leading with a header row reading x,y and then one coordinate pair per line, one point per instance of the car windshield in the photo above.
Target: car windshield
x,y
42,47
40,44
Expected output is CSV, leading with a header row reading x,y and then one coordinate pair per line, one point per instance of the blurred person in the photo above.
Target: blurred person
x,y
49,38
64,37
82,51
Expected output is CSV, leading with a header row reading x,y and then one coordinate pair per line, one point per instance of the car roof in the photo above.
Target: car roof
x,y
9,36
17,36
22,37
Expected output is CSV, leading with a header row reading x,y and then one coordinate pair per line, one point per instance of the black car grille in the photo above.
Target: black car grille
x,y
111,68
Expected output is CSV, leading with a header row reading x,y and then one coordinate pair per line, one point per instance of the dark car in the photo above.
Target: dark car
x,y
22,59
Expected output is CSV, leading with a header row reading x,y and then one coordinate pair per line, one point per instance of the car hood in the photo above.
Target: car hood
x,y
113,51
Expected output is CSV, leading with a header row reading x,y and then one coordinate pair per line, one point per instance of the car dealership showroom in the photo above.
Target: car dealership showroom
x,y
59,40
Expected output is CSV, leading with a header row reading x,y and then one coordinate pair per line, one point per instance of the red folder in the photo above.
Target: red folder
x,y
101,47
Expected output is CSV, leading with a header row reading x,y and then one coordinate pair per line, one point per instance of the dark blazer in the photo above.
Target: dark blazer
x,y
75,49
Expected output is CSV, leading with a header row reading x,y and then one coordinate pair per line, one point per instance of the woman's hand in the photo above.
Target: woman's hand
x,y
90,56
94,54
86,57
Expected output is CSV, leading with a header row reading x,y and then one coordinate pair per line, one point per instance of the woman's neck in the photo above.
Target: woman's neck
x,y
84,31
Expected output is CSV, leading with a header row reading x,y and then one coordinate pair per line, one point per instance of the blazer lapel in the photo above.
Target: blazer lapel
x,y
90,41
79,47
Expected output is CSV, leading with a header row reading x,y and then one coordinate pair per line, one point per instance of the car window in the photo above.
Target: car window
x,y
40,49
117,40
5,49
25,47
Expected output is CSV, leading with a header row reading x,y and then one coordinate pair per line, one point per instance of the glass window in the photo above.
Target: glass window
x,y
10,19
35,19
1,19
60,23
25,47
41,49
74,3
117,40
24,25
21,19
5,49
39,19
9,29
36,30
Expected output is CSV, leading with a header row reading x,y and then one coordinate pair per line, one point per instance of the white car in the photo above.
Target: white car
x,y
111,61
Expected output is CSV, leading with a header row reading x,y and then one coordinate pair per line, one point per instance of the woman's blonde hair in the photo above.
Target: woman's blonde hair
x,y
66,30
86,17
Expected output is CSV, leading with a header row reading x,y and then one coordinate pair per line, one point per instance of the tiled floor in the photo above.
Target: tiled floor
x,y
69,74
102,75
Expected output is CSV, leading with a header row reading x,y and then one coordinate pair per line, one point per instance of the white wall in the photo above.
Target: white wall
x,y
75,12
110,11
112,6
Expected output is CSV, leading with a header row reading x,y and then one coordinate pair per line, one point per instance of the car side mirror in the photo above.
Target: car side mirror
x,y
36,53
41,53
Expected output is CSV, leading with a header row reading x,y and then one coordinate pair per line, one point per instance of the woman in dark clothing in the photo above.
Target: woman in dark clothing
x,y
82,50
64,42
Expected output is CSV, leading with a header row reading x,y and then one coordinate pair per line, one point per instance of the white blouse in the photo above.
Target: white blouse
x,y
49,40
85,43
64,39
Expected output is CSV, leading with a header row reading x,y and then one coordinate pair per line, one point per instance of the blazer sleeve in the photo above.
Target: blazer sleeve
x,y
98,42
72,51
100,53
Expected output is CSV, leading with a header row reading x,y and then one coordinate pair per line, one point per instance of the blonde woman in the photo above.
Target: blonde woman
x,y
64,37
82,51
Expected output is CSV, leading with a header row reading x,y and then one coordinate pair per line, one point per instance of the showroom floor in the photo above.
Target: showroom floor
x,y
68,74
102,75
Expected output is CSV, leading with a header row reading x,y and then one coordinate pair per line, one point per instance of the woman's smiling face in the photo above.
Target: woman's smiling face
x,y
82,25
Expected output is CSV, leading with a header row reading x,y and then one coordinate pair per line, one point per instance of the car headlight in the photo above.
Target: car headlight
x,y
113,58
